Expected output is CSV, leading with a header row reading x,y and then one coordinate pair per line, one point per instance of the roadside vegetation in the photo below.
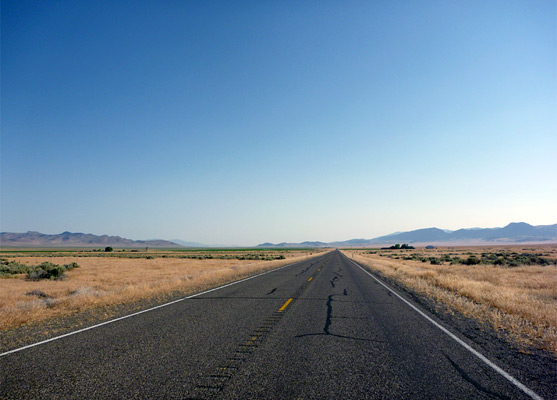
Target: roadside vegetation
x,y
503,258
195,254
44,270
39,285
514,289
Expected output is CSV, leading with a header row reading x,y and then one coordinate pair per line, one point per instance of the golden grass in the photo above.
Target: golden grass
x,y
521,301
103,281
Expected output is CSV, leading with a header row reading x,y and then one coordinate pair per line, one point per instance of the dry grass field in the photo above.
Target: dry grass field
x,y
108,279
520,300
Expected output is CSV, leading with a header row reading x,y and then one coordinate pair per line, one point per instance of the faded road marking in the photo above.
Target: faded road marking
x,y
285,305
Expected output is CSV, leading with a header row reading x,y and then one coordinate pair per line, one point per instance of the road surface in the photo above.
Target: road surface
x,y
318,329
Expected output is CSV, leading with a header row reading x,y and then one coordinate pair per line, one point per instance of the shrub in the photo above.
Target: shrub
x,y
108,249
71,266
13,267
49,270
39,293
417,257
472,260
46,270
446,258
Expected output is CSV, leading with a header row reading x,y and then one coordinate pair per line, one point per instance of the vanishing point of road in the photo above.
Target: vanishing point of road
x,y
318,329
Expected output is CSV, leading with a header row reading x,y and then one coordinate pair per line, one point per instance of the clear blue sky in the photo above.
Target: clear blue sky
x,y
245,122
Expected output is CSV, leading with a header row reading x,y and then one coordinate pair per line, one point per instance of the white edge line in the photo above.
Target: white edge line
x,y
506,375
147,310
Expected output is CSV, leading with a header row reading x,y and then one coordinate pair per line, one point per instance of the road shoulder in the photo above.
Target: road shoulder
x,y
533,367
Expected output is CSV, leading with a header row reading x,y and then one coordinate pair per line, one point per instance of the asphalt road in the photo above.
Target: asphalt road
x,y
319,329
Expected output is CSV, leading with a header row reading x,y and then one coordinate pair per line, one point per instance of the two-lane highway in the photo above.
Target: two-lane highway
x,y
318,329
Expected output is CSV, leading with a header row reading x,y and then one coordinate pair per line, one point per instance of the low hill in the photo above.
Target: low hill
x,y
69,239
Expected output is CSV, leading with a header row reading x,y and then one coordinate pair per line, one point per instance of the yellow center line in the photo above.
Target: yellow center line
x,y
310,279
285,305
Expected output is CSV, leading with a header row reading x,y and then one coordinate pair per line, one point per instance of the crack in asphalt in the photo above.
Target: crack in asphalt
x,y
474,383
303,271
328,321
337,276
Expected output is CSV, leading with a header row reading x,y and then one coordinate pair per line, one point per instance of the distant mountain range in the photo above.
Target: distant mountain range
x,y
68,239
516,232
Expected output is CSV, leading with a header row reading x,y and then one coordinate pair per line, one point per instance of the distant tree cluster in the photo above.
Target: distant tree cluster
x,y
397,246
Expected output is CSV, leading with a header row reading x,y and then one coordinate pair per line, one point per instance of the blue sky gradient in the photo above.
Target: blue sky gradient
x,y
246,122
